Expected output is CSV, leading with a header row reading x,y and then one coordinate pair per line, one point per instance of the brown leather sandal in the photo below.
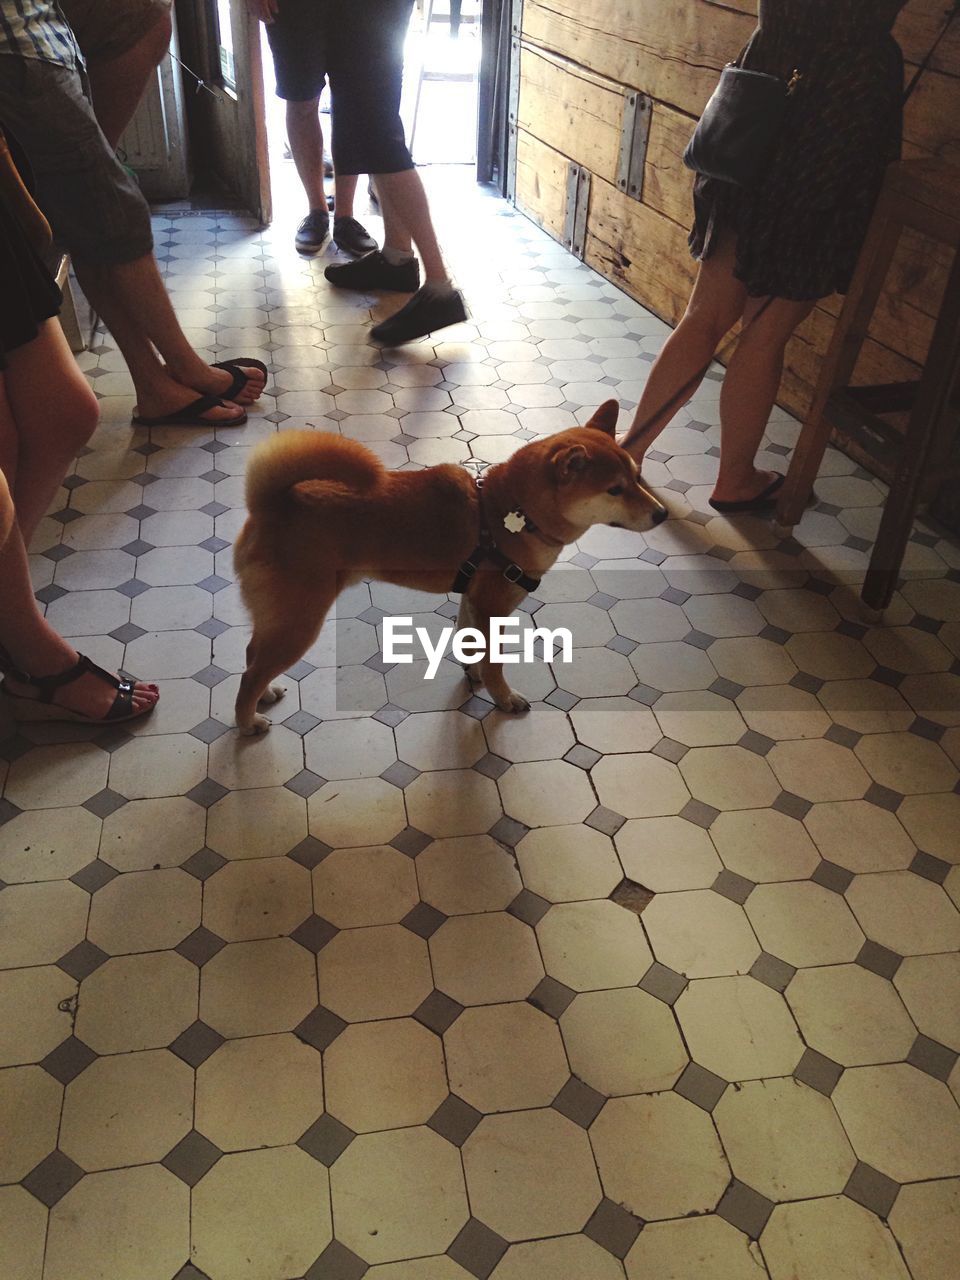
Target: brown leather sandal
x,y
43,707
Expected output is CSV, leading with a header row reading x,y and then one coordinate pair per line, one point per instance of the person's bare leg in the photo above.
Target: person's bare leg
x,y
50,414
715,305
344,194
28,640
749,391
117,85
406,218
305,135
131,300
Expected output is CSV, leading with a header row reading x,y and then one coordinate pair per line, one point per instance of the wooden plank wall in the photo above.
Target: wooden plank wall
x,y
579,61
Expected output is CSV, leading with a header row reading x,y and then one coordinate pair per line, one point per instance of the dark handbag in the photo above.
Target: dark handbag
x,y
738,131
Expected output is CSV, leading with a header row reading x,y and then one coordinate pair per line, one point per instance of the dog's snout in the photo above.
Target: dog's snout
x,y
660,514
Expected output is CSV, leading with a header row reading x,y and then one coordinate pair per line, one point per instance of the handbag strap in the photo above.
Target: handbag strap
x,y
932,50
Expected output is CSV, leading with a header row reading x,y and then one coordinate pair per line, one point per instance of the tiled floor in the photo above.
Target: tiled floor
x,y
372,995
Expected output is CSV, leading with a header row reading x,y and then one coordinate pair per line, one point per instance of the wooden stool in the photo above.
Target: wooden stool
x,y
916,459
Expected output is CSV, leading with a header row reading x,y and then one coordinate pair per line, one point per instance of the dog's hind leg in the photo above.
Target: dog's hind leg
x,y
467,618
274,647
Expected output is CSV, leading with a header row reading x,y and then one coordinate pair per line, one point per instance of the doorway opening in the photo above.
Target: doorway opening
x,y
442,81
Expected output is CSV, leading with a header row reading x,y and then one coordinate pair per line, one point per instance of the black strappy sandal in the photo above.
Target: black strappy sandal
x,y
239,370
43,707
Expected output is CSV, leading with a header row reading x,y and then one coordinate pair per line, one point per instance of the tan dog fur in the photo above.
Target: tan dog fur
x,y
325,513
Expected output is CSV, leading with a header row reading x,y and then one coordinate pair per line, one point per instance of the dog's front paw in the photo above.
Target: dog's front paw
x,y
259,724
514,703
273,693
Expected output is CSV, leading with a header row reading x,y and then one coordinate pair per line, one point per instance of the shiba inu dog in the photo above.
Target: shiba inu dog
x,y
325,513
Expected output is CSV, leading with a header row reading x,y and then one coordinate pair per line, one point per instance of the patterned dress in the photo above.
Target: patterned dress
x,y
800,230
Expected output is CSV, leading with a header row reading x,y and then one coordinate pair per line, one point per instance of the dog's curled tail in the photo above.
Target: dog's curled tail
x,y
290,457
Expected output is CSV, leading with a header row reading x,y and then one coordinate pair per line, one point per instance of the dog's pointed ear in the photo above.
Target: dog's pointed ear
x,y
605,418
570,462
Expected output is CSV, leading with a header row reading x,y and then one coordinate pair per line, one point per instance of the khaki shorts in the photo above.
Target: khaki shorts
x,y
105,29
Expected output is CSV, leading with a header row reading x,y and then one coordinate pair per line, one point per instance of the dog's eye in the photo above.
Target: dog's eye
x,y
615,489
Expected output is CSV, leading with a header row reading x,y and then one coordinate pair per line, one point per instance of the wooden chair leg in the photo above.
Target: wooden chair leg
x,y
839,363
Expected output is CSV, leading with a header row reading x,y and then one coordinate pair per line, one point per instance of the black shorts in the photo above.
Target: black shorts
x,y
358,44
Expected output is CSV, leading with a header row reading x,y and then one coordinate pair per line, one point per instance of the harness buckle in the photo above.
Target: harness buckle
x,y
513,573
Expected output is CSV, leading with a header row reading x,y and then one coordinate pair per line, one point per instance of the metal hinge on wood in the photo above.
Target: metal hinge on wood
x,y
575,214
633,143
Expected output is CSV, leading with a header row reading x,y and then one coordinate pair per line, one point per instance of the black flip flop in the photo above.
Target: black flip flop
x,y
762,502
238,369
191,415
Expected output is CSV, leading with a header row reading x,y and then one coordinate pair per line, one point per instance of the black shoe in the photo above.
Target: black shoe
x,y
373,271
353,238
424,313
313,231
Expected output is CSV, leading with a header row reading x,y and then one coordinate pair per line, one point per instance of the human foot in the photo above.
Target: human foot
x,y
222,380
81,691
171,399
757,492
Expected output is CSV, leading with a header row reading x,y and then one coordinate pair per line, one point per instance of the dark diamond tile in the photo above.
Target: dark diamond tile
x,y
438,1012
873,1189
605,820
808,683
337,1262
191,1158
701,1087
202,864
932,1057
584,561
67,516
747,591
68,1059
305,783
410,841
372,615
602,600
214,544
423,920
314,933
82,960
94,876
492,766
650,556
211,628
772,971
319,1028
631,896
667,749
213,476
698,639
929,867
830,876
700,814
400,774
673,595
214,509
879,960
138,547
209,730
477,1249
551,996
529,907
508,831
52,1178
613,1228
578,1102
113,738
132,588
562,699
127,633
326,1139
845,627
310,852
455,1120
47,595
189,1272
663,983
745,1209
390,715
622,644
922,728
195,1045
200,946
735,887
476,707
843,736
818,1071
301,722
104,803
793,806
758,743
206,793
210,676
886,675
583,757
300,670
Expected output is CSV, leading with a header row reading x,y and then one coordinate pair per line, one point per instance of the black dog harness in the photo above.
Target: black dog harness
x,y
487,549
